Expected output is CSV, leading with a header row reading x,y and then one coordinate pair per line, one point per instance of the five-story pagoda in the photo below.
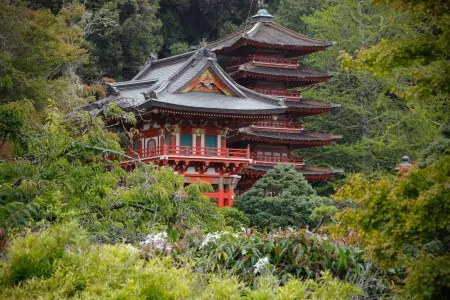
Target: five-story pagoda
x,y
264,57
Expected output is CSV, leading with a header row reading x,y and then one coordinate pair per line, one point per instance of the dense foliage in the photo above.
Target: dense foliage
x,y
38,54
285,254
281,198
378,126
60,262
63,178
71,218
394,216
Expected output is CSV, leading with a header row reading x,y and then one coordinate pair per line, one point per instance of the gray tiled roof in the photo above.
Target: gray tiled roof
x,y
288,136
294,73
168,94
163,68
306,170
268,33
160,84
212,102
307,104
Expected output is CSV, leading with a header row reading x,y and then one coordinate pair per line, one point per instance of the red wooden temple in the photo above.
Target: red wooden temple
x,y
226,126
266,58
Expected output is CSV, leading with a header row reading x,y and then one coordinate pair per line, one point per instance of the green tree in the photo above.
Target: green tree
x,y
62,177
118,50
404,221
179,48
38,52
418,59
281,198
290,13
234,218
438,148
377,126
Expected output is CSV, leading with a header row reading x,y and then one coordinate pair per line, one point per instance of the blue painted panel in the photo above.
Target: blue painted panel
x,y
186,139
211,141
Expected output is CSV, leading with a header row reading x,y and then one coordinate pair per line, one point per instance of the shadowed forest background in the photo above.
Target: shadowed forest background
x,y
370,233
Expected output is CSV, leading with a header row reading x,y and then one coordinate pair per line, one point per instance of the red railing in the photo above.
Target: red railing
x,y
189,151
293,95
278,124
266,158
266,61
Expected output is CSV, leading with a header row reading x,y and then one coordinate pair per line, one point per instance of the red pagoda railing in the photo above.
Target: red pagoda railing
x,y
276,159
289,95
266,61
277,125
189,151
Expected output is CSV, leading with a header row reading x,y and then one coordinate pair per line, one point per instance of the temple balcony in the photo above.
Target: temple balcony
x,y
191,154
265,61
275,159
278,126
286,94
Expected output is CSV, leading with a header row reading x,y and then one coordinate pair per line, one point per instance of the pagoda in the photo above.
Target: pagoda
x,y
225,125
186,106
266,57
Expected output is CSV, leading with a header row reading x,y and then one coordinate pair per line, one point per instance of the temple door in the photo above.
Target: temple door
x,y
211,144
136,148
186,143
151,148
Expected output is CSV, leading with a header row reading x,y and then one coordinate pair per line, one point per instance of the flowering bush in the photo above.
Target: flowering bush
x,y
284,254
157,241
65,265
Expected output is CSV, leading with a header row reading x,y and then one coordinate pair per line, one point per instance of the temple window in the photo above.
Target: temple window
x,y
151,143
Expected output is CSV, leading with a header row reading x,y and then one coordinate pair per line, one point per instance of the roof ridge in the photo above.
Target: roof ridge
x,y
233,34
297,34
132,82
162,60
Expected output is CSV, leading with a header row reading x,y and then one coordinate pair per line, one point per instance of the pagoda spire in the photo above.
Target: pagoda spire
x,y
262,15
261,4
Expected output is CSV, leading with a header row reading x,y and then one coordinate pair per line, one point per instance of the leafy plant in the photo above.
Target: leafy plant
x,y
284,254
235,218
61,265
404,223
281,198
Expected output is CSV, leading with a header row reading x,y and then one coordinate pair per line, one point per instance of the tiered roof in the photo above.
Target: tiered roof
x,y
262,55
302,139
310,173
187,84
264,33
291,75
222,96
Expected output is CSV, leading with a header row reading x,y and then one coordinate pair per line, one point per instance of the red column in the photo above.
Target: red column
x,y
220,198
161,145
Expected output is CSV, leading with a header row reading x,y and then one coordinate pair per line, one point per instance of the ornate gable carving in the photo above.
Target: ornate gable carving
x,y
208,82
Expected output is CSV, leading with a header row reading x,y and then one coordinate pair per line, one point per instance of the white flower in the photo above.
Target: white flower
x,y
244,252
261,265
210,237
157,241
213,237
